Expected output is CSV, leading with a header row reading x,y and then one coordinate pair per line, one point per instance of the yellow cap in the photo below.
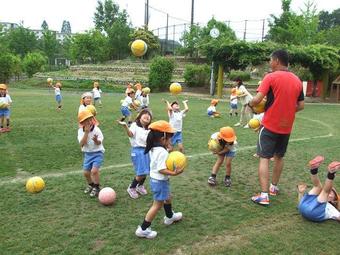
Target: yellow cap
x,y
227,134
214,102
3,86
84,115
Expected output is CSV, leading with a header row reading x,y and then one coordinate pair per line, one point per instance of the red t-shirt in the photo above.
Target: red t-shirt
x,y
283,90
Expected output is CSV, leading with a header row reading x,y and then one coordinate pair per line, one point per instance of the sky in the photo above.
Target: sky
x,y
80,13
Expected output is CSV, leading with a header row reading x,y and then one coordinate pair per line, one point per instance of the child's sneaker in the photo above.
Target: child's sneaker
x,y
237,124
212,181
94,192
7,129
334,166
316,162
147,233
2,130
273,190
175,217
141,190
132,192
260,200
227,182
88,189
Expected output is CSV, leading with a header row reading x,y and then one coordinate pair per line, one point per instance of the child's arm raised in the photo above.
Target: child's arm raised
x,y
186,108
167,104
125,126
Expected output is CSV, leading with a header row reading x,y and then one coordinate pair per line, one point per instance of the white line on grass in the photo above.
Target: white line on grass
x,y
74,172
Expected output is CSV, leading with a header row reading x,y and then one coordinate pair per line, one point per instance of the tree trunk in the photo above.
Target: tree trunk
x,y
220,81
325,82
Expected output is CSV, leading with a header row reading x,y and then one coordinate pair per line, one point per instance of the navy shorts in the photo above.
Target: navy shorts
x,y
176,138
160,189
5,112
125,111
311,208
58,98
230,154
270,144
233,106
140,161
93,159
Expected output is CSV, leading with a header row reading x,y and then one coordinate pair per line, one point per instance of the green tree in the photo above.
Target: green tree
x,y
90,47
50,45
33,63
21,41
329,20
190,41
160,75
118,38
8,65
66,27
44,25
149,38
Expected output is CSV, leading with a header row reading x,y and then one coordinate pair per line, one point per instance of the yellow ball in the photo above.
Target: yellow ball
x,y
35,184
137,103
139,48
146,90
260,107
175,88
254,123
214,145
49,80
175,160
239,92
92,109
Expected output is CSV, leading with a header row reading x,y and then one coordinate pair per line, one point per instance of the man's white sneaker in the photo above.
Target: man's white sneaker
x,y
147,233
175,217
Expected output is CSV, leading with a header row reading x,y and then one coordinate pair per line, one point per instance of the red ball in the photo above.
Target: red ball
x,y
107,196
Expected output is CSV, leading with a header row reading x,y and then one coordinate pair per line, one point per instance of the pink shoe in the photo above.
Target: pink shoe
x,y
316,162
141,190
334,166
7,129
132,192
273,190
2,130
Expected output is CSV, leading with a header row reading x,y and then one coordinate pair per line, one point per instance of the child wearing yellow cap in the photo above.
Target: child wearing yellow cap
x,y
5,102
211,111
57,93
227,140
91,139
157,141
233,102
96,91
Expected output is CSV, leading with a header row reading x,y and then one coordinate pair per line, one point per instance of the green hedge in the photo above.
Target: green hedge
x,y
160,75
197,75
245,76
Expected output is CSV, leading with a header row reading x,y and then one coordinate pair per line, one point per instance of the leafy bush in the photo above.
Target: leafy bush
x,y
9,65
33,63
196,75
245,76
161,69
303,73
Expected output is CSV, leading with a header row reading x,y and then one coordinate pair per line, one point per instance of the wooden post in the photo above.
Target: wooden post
x,y
220,81
325,79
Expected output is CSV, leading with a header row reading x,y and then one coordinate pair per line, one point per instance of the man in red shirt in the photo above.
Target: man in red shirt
x,y
285,97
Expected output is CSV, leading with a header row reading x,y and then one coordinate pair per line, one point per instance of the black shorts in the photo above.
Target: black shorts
x,y
270,144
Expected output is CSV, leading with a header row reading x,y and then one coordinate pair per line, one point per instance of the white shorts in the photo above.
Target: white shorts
x,y
331,212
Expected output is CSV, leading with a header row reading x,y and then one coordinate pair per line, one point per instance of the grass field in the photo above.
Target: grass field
x,y
62,220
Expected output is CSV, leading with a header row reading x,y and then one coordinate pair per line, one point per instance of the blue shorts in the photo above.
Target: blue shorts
x,y
140,161
230,154
160,189
58,98
210,113
93,159
311,208
176,138
5,112
125,111
233,106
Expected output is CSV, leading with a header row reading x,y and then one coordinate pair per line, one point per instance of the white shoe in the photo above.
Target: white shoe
x,y
147,233
246,126
237,124
175,217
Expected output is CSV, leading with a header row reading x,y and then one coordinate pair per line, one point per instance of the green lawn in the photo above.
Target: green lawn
x,y
62,220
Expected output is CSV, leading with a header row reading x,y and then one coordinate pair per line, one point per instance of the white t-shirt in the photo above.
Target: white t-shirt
x,y
233,99
176,119
259,116
81,108
90,146
57,91
211,108
96,92
230,147
127,101
158,156
139,135
145,101
138,94
5,100
245,99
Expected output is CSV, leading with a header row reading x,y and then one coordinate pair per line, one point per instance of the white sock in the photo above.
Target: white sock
x,y
264,194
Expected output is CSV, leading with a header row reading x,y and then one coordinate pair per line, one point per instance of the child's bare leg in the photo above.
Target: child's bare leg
x,y
277,170
218,164
151,214
181,147
314,166
228,166
95,175
87,175
301,188
327,188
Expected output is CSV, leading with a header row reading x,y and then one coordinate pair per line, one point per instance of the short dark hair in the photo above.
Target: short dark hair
x,y
174,102
282,56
